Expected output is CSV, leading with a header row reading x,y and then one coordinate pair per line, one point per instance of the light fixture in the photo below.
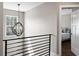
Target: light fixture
x,y
18,28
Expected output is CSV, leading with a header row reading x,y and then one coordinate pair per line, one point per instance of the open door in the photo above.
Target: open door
x,y
75,32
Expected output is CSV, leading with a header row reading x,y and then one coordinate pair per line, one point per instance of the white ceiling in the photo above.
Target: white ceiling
x,y
66,11
24,6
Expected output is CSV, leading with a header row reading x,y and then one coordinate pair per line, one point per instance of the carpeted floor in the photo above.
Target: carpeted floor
x,y
66,48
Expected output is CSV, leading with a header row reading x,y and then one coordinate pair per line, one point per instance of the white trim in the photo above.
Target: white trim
x,y
69,6
60,36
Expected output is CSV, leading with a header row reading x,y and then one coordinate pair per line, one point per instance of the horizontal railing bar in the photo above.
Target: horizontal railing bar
x,y
32,55
44,53
31,49
24,52
38,50
41,53
33,43
47,54
27,47
29,37
28,44
27,40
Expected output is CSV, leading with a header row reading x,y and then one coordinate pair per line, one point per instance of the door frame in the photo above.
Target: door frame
x,y
59,49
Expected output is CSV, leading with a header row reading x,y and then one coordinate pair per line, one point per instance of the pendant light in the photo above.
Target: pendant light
x,y
18,28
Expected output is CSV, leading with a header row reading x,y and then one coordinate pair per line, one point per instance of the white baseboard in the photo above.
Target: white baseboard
x,y
75,51
53,54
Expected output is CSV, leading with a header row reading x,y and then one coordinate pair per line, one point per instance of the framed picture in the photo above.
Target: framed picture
x,y
10,21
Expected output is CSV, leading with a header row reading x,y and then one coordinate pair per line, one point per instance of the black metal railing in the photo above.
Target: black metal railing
x,y
34,45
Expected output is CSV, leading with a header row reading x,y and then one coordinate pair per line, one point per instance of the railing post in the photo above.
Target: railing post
x,y
23,46
49,44
5,47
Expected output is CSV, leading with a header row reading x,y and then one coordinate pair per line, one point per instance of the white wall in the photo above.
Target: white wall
x,y
42,20
1,28
66,21
66,18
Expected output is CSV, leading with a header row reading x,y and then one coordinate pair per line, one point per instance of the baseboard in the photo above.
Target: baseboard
x,y
75,51
54,54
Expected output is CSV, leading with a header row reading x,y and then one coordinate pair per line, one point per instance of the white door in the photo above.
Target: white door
x,y
75,32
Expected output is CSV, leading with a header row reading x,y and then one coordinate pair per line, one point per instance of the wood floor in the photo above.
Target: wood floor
x,y
66,48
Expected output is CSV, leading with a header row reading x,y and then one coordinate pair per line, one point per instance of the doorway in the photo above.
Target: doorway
x,y
66,31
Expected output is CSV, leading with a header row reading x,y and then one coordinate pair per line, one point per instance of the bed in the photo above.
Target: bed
x,y
65,36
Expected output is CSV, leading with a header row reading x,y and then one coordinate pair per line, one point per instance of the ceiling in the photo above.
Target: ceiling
x,y
66,11
24,6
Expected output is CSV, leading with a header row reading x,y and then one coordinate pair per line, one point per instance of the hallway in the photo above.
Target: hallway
x,y
66,48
